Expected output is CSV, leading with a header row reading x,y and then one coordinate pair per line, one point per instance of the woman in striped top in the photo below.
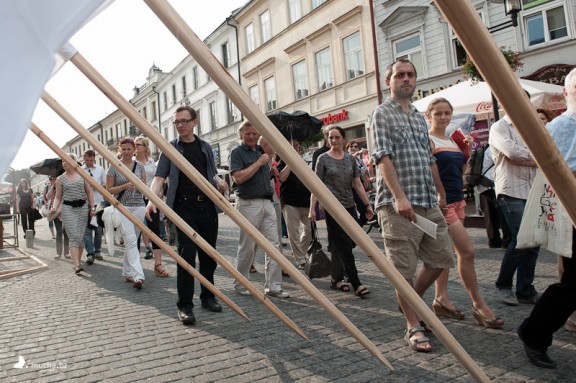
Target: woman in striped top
x,y
75,197
130,198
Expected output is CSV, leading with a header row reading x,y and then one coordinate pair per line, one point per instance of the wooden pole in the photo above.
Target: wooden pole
x,y
223,203
109,197
212,66
477,41
171,215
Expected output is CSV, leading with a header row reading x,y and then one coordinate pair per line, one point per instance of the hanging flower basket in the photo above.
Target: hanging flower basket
x,y
513,58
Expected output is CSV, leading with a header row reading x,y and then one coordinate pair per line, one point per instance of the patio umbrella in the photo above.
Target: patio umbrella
x,y
298,125
48,167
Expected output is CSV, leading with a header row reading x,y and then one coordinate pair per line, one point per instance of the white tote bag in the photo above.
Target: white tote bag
x,y
545,222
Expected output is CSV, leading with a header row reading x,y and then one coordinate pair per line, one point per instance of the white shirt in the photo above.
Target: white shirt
x,y
506,143
97,172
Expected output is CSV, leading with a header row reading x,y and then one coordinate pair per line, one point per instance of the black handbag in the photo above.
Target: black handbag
x,y
318,265
36,214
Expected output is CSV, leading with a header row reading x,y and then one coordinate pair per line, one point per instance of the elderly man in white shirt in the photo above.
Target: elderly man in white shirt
x,y
514,172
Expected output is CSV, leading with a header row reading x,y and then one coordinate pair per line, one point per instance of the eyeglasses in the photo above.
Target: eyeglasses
x,y
182,122
139,144
126,141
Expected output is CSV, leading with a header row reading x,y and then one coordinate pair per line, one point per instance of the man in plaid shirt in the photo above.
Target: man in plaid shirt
x,y
408,184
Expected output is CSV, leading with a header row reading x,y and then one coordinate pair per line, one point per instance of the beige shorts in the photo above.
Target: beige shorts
x,y
405,243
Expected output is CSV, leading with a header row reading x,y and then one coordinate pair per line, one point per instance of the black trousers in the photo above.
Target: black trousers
x,y
553,308
341,246
494,219
202,217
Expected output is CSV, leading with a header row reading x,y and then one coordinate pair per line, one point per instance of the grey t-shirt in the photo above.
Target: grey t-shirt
x,y
258,186
338,175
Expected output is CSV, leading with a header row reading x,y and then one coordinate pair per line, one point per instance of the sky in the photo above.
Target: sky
x,y
121,43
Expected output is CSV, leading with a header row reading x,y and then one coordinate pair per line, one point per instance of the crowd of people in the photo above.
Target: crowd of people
x,y
419,173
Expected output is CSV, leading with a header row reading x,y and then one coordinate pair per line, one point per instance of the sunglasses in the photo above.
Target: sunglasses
x,y
139,144
126,141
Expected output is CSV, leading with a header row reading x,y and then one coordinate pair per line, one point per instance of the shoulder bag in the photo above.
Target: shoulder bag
x,y
318,264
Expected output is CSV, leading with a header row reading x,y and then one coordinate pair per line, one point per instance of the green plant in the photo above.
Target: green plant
x,y
513,58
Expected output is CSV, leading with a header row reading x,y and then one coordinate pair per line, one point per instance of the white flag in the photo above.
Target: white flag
x,y
32,32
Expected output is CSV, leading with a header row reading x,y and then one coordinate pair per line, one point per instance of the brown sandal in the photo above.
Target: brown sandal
x,y
159,271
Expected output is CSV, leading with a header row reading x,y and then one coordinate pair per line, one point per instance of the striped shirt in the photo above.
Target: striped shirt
x,y
129,198
510,180
404,138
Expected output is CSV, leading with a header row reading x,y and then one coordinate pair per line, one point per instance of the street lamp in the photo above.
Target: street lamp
x,y
511,7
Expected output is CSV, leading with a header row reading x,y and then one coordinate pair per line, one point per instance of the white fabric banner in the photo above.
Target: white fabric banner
x,y
32,33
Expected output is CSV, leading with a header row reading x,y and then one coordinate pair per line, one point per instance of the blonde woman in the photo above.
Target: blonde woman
x,y
74,197
131,198
143,156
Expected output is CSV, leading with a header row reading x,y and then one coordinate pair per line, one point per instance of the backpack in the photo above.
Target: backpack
x,y
473,174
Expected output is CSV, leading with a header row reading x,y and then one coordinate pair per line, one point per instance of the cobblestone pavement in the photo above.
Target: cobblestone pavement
x,y
98,328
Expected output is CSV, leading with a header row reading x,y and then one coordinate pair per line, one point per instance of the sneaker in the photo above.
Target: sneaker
x,y
67,256
243,291
507,296
278,294
89,259
528,300
301,266
98,256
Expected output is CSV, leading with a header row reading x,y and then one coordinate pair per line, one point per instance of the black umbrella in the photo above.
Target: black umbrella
x,y
48,167
298,125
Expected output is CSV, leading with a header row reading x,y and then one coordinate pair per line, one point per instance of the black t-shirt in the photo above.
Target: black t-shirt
x,y
192,151
25,199
292,191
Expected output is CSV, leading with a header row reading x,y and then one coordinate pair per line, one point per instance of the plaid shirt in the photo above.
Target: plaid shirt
x,y
404,138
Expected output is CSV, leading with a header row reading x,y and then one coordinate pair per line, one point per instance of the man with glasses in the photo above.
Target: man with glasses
x,y
93,235
193,206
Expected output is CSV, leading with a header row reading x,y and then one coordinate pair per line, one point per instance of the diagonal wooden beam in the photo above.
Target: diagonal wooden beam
x,y
169,213
478,42
109,197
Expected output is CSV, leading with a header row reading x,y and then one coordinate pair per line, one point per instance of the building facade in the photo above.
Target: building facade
x,y
310,55
416,30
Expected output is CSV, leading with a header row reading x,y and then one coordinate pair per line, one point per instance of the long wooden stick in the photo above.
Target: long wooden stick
x,y
212,66
133,219
223,203
477,41
170,214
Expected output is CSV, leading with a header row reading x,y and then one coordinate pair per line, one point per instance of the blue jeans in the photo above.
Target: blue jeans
x,y
93,244
521,260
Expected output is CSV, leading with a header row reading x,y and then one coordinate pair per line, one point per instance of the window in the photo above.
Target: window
x,y
145,113
270,89
324,71
410,49
353,56
225,55
198,125
173,94
265,26
249,30
545,26
213,122
195,76
294,8
254,94
458,52
184,92
317,3
300,77
153,108
165,96
229,110
526,4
